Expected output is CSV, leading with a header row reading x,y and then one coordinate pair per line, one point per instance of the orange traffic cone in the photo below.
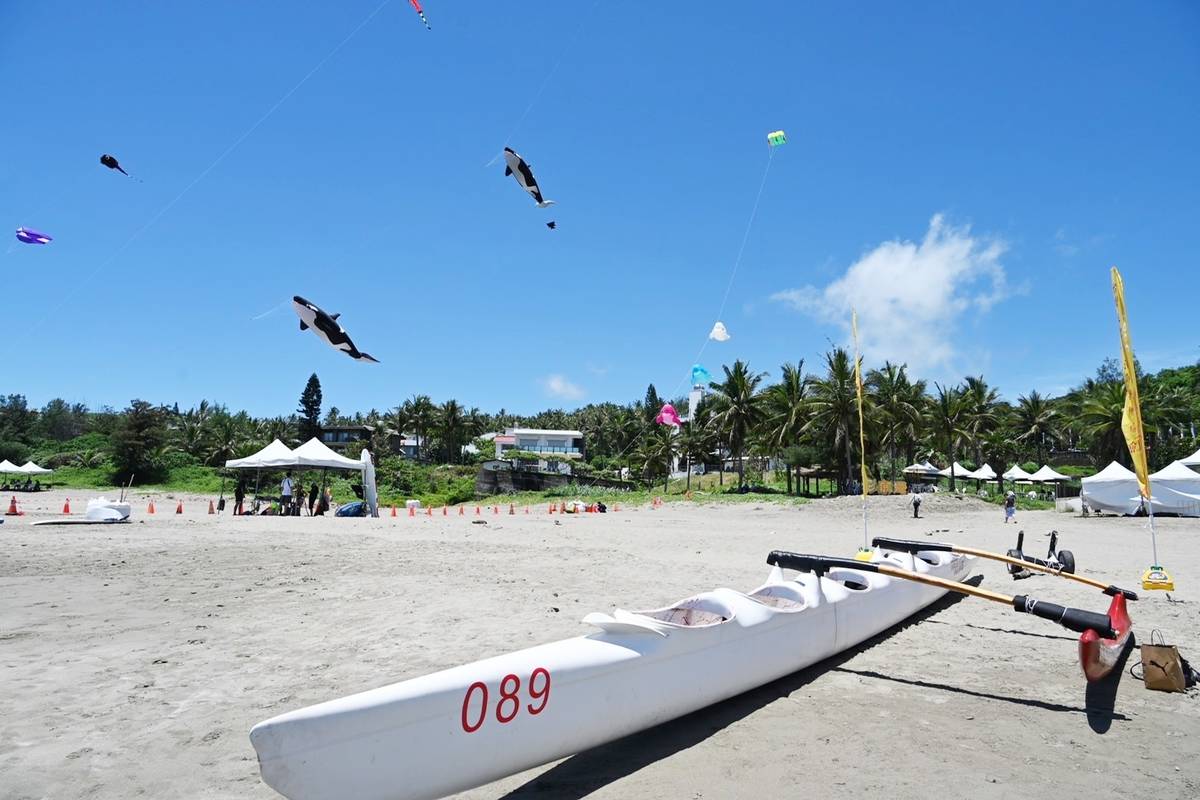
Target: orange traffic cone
x,y
67,506
429,511
12,508
179,508
150,508
211,508
393,511
477,511
552,508
445,511
616,507
461,511
512,509
412,512
526,509
495,510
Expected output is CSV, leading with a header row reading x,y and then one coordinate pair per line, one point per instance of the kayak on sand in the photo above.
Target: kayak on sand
x,y
465,726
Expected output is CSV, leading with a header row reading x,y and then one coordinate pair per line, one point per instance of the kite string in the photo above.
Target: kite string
x,y
216,162
269,311
545,82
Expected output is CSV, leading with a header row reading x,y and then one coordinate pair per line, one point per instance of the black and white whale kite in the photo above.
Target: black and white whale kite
x,y
519,169
112,163
326,327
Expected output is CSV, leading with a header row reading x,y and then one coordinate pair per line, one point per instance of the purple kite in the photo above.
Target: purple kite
x,y
668,416
32,237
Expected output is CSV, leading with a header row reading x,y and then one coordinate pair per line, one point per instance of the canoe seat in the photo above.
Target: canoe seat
x,y
784,598
694,612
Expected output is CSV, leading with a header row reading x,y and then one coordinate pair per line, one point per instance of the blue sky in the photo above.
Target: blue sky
x,y
964,174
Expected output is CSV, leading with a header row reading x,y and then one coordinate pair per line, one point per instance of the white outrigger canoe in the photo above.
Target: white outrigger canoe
x,y
462,727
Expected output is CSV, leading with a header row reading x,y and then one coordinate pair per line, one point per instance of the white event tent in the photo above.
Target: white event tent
x,y
1015,473
313,454
1047,475
1176,490
9,467
959,471
30,468
984,473
1113,488
276,455
1191,461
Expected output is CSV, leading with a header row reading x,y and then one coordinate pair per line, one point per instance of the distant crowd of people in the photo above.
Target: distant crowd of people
x,y
292,500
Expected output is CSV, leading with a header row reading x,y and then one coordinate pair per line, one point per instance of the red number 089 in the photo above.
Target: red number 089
x,y
509,705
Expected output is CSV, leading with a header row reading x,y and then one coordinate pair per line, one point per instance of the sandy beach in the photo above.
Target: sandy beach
x,y
135,658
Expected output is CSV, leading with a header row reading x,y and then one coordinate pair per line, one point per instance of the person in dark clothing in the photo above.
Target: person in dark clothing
x,y
916,504
313,491
239,494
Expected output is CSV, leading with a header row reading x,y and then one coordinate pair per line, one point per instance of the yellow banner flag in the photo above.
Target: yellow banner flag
x,y
1131,418
858,383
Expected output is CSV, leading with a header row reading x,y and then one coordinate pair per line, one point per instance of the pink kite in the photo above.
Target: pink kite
x,y
420,12
668,416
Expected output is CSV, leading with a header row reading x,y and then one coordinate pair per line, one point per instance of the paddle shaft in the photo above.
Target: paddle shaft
x,y
942,583
913,546
1033,565
1073,619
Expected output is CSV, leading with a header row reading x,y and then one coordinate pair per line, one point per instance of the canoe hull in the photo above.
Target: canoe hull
x,y
463,727
1098,656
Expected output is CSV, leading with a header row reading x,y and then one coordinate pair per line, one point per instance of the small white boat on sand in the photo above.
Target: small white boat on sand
x,y
100,511
462,727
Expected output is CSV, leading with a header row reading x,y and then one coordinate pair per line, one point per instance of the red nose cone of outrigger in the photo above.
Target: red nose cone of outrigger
x,y
1098,656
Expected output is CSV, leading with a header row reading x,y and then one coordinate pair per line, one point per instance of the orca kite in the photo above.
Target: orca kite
x,y
519,169
112,163
327,329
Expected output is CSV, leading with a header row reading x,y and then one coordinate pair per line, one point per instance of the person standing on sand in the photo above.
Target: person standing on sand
x,y
239,494
285,492
916,504
313,491
1010,507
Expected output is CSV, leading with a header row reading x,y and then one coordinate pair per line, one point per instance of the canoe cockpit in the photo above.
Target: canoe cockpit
x,y
699,611
780,596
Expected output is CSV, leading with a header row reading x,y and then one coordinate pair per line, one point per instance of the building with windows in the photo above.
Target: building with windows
x,y
344,438
555,450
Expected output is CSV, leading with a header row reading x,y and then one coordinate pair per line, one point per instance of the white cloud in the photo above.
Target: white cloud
x,y
1063,246
911,296
559,386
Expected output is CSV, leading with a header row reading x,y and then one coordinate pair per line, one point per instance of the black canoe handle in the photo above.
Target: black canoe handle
x,y
910,545
817,565
1073,619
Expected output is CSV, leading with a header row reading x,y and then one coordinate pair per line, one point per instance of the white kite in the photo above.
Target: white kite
x,y
718,333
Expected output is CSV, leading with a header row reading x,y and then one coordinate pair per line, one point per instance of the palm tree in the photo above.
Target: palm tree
x,y
737,409
834,408
656,452
420,413
982,413
897,406
786,410
452,425
1036,418
947,414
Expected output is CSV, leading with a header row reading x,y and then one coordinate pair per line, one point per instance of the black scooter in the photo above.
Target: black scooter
x,y
1063,560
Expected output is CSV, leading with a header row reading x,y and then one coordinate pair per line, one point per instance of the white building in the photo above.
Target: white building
x,y
556,449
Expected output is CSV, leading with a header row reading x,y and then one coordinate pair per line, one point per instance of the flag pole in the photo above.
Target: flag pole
x,y
1156,577
864,552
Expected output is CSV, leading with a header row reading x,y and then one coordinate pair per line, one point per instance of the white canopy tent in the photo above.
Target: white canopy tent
x,y
1176,490
958,469
984,473
1191,461
1015,473
9,467
315,454
1047,475
921,469
1114,489
274,456
30,468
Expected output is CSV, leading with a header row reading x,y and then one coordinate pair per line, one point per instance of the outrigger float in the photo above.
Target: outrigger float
x,y
465,726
